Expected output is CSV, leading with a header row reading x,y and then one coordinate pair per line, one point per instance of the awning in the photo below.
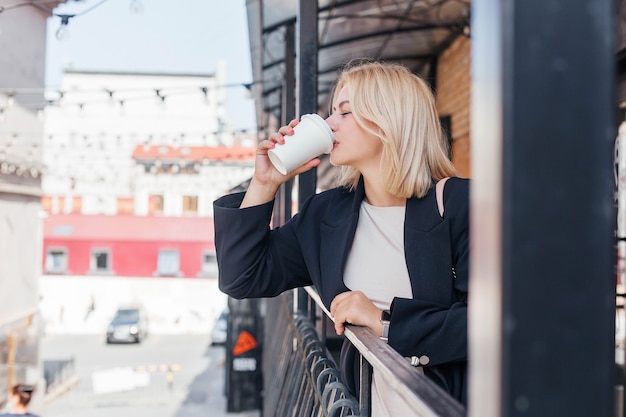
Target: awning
x,y
410,32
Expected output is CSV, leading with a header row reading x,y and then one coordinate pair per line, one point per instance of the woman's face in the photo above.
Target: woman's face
x,y
353,145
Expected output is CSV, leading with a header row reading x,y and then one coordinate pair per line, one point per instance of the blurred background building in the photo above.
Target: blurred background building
x,y
137,143
110,175
127,155
22,77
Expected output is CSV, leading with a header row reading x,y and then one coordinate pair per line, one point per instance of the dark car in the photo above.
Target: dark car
x,y
130,324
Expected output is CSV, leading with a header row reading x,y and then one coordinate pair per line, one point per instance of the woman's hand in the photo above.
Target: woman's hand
x,y
266,179
353,307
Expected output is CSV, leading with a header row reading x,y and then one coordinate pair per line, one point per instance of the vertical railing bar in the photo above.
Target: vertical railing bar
x,y
365,386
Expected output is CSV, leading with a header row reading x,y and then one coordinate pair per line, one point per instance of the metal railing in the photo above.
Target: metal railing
x,y
423,396
302,378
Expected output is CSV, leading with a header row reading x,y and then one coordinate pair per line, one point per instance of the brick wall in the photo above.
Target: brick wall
x,y
453,99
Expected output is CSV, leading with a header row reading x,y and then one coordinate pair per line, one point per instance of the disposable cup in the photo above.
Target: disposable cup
x,y
311,138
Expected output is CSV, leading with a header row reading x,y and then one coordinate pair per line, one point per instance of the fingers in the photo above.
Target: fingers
x,y
334,305
264,146
273,139
353,307
339,328
288,130
279,137
349,307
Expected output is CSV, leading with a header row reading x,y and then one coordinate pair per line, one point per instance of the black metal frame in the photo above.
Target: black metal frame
x,y
542,299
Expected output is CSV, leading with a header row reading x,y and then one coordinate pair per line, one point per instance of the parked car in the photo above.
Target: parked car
x,y
219,332
129,324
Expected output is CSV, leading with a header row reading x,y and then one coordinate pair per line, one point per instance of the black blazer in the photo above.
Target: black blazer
x,y
312,248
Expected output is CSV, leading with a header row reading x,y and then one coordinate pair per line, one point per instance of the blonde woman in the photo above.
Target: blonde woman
x,y
387,249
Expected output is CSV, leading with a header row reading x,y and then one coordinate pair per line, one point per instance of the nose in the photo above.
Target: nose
x,y
330,122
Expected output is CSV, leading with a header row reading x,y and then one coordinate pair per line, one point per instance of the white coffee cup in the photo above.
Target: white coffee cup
x,y
311,137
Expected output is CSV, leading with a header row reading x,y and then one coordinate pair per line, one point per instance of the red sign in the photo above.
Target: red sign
x,y
246,342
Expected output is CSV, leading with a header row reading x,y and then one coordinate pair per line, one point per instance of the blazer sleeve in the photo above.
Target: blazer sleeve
x,y
438,331
254,261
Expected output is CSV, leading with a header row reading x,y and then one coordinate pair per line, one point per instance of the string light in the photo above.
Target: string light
x,y
10,139
59,98
62,32
205,91
160,97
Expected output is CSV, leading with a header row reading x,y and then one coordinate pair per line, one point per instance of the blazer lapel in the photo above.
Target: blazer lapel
x,y
337,232
427,250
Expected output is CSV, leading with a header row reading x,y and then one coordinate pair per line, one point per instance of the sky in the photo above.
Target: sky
x,y
183,36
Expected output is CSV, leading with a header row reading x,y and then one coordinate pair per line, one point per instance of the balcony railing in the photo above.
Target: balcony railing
x,y
302,378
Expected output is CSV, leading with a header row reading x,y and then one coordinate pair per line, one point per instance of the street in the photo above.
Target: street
x,y
173,372
165,375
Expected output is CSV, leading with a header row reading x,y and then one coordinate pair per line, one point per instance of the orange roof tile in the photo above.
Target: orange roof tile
x,y
195,153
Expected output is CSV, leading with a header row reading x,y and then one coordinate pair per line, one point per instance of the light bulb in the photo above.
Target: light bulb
x,y
160,98
205,92
62,32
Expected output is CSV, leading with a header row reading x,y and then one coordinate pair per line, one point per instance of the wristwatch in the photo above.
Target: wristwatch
x,y
385,320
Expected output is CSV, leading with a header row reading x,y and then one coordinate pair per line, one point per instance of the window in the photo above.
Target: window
x,y
209,264
56,261
156,204
190,204
100,260
168,262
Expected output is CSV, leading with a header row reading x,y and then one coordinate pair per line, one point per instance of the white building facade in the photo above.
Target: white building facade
x,y
96,122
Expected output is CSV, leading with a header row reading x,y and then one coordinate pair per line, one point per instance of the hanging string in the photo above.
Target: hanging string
x,y
57,96
62,32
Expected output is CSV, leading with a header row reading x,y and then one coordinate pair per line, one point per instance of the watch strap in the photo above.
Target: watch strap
x,y
385,320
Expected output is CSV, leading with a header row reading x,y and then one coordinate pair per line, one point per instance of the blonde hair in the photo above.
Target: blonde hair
x,y
398,107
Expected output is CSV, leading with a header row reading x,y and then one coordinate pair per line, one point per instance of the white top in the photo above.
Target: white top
x,y
376,264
